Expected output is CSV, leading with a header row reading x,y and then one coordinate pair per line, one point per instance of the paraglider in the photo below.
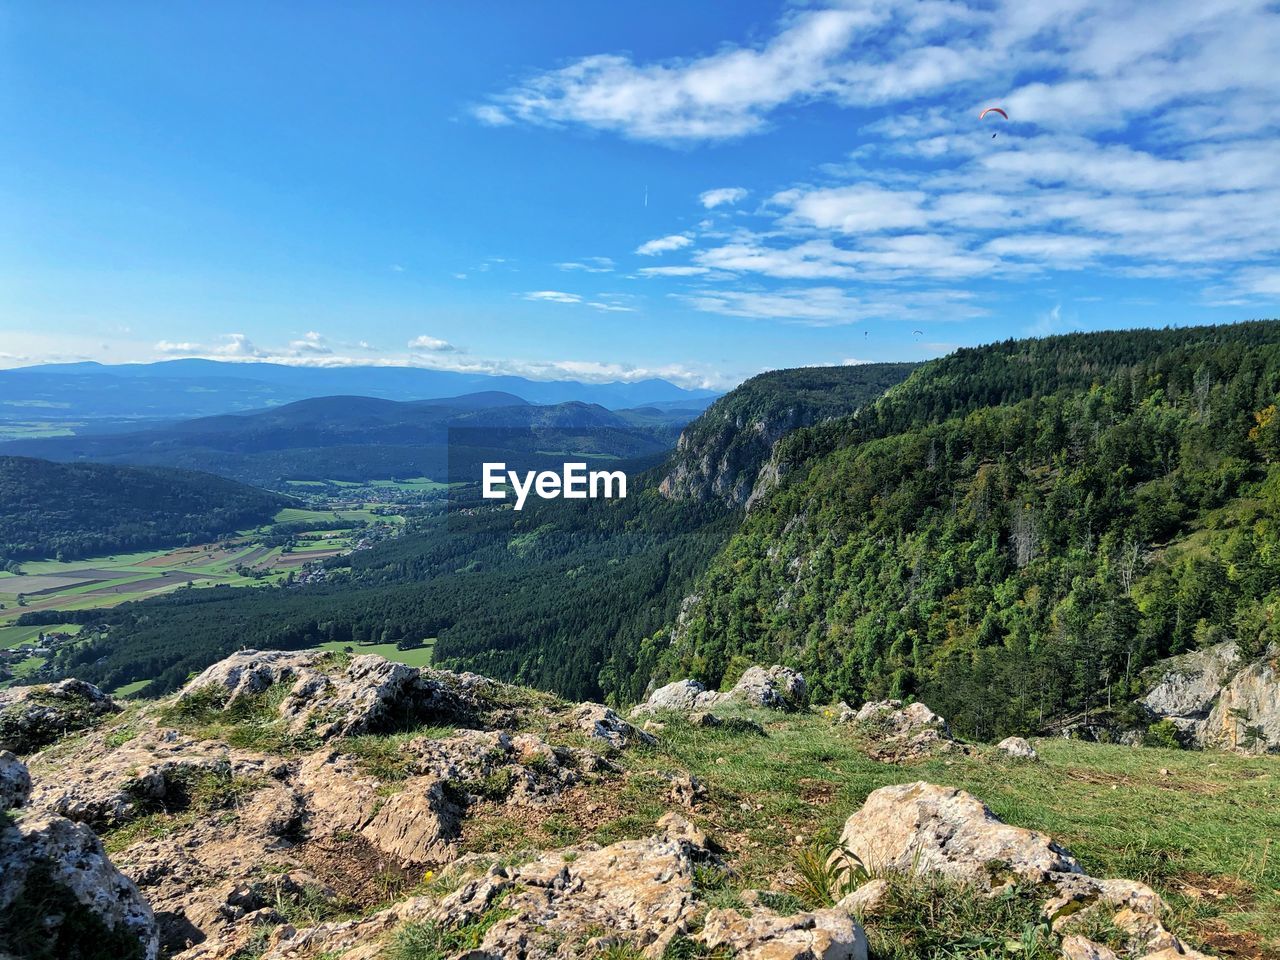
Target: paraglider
x,y
998,110
918,333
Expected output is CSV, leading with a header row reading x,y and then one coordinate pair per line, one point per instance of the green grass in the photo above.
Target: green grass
x,y
16,636
1212,821
128,689
421,657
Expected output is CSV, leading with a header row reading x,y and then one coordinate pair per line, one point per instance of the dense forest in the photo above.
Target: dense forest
x,y
559,596
1012,533
1016,531
67,511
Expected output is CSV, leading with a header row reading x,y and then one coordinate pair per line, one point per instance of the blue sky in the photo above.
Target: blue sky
x,y
614,191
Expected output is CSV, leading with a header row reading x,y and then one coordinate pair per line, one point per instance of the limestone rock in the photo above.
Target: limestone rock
x,y
1076,947
774,688
15,782
1189,683
641,893
603,723
682,696
1017,747
896,733
60,862
821,935
926,827
866,900
249,672
34,717
1246,716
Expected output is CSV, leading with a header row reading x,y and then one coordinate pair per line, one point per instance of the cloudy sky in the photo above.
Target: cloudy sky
x,y
614,191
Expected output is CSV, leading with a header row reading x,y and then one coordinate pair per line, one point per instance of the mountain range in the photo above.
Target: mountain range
x,y
182,389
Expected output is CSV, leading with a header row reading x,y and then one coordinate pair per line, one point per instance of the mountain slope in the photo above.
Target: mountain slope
x,y
75,510
1015,531
359,438
722,452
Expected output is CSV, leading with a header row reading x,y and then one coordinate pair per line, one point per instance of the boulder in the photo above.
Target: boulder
x,y
1076,947
635,893
682,696
920,826
57,869
603,723
897,733
1018,748
867,900
34,717
369,695
15,782
773,688
764,935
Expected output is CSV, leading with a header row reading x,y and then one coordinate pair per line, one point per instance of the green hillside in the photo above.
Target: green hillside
x,y
84,509
1016,531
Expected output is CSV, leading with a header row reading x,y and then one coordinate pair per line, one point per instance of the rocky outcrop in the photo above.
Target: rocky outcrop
x,y
773,688
1217,702
1018,748
55,873
895,733
370,694
15,782
764,935
1246,715
1189,684
768,688
34,717
602,723
920,826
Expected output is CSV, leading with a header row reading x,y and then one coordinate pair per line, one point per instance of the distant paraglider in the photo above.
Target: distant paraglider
x,y
998,110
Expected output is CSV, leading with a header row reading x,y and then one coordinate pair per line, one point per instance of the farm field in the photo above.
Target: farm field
x,y
421,657
266,556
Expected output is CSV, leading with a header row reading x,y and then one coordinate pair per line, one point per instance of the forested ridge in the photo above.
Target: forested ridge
x,y
1012,533
77,510
1016,531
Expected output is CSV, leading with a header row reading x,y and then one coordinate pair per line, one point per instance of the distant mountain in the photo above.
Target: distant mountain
x,y
84,509
182,389
363,438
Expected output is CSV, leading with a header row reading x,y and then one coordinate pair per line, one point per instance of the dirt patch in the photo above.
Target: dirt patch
x,y
1215,936
1173,782
356,869
37,584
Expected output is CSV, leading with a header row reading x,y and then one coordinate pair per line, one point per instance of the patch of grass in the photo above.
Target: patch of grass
x,y
385,755
828,873
932,917
428,940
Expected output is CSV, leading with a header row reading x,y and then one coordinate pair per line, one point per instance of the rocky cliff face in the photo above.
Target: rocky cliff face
x,y
305,805
1218,702
726,454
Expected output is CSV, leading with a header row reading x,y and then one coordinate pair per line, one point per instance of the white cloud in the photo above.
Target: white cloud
x,y
431,345
588,265
552,296
238,346
171,348
610,307
677,241
311,344
833,306
686,271
721,196
725,94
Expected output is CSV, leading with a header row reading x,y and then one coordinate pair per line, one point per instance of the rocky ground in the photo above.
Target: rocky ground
x,y
311,805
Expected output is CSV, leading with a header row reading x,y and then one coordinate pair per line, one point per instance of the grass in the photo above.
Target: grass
x,y
1205,824
419,657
